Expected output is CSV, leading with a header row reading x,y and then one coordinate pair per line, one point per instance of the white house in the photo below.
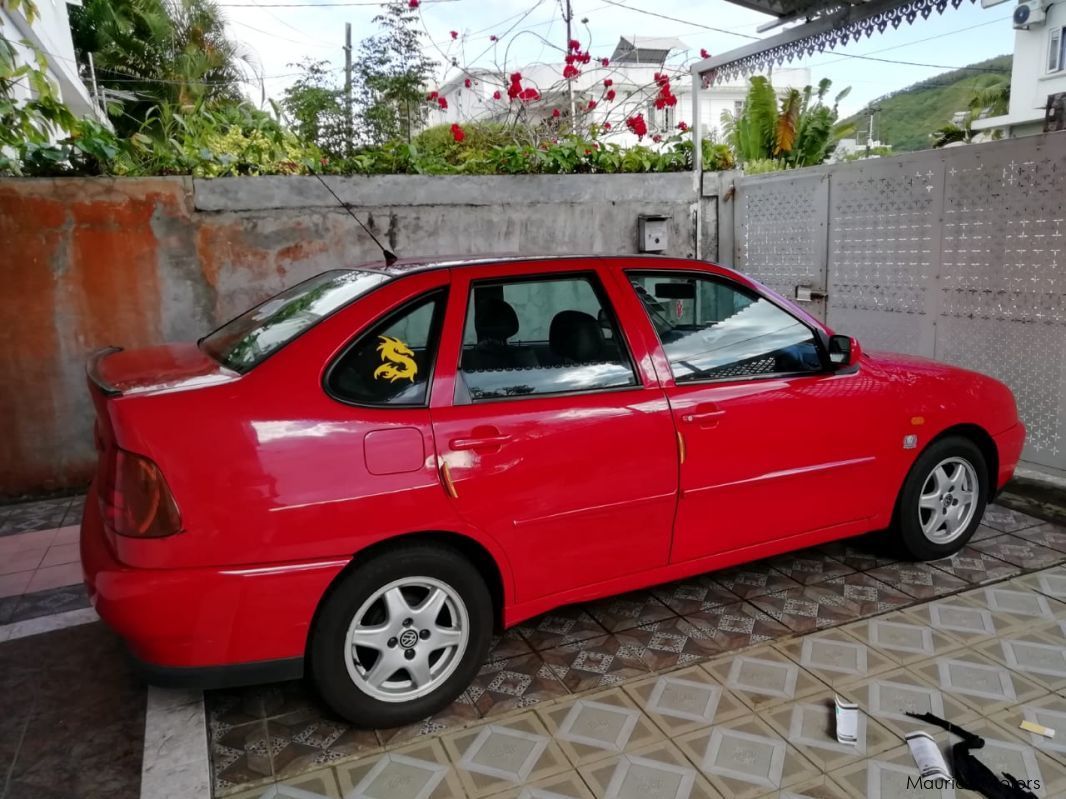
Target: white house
x,y
50,34
481,94
1039,67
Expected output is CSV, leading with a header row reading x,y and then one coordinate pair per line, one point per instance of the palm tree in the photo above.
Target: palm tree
x,y
800,130
171,54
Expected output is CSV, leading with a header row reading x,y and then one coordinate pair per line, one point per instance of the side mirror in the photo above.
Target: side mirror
x,y
844,350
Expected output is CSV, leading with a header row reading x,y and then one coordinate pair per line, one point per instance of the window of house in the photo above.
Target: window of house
x,y
1056,51
713,330
738,108
540,336
393,363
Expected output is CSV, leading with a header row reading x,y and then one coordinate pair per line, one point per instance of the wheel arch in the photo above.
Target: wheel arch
x,y
470,548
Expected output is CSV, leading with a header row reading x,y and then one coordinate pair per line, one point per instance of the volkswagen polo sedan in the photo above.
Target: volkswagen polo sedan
x,y
367,475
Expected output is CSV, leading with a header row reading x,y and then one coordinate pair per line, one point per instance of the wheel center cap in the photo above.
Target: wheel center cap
x,y
408,638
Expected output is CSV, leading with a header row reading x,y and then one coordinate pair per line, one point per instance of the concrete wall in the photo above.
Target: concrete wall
x,y
89,262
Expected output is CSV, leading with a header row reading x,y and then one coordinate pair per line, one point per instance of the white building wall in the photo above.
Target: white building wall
x,y
50,34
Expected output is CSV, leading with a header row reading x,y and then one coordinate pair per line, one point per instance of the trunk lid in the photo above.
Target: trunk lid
x,y
168,367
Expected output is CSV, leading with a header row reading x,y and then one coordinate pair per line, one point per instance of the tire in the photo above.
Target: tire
x,y
364,606
928,491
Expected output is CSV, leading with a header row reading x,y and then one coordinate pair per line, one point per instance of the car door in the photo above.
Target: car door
x,y
775,443
551,439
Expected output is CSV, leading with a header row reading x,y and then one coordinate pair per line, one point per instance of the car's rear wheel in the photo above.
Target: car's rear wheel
x,y
401,636
943,499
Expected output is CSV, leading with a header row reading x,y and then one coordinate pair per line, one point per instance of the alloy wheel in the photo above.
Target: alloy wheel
x,y
948,500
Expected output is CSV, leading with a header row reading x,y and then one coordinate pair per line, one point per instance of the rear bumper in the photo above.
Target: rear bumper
x,y
186,626
1009,445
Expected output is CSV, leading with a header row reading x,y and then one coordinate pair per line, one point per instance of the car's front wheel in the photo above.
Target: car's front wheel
x,y
401,636
943,499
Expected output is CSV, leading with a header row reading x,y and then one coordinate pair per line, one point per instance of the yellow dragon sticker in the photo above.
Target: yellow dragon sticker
x,y
398,362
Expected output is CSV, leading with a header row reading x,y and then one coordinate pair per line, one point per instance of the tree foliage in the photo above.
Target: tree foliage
x,y
314,107
799,130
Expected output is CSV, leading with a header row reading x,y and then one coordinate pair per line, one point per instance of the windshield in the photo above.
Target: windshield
x,y
243,342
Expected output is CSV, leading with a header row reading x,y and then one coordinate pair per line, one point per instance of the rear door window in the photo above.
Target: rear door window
x,y
532,336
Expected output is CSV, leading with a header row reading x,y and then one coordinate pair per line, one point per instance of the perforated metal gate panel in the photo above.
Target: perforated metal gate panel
x,y
780,233
957,254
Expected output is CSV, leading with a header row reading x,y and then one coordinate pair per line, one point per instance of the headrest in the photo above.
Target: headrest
x,y
576,336
494,320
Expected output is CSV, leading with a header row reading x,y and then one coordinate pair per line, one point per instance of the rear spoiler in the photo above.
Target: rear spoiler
x,y
92,371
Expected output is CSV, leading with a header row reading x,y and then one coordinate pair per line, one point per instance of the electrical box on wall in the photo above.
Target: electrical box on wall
x,y
651,233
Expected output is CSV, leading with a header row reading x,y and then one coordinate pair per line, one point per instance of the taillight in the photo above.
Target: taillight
x,y
135,499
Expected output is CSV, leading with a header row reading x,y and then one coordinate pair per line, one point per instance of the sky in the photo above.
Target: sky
x,y
281,33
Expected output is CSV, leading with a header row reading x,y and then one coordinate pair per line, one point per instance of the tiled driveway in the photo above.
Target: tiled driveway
x,y
719,685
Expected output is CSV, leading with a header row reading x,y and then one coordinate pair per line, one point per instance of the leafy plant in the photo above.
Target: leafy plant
x,y
799,130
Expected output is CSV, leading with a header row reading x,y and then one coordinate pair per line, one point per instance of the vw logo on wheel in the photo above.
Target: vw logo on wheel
x,y
408,638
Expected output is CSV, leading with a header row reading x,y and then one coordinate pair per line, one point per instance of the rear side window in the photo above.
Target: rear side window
x,y
245,341
540,336
714,330
393,362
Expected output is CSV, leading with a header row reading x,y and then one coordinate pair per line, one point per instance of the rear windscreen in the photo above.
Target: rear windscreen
x,y
245,341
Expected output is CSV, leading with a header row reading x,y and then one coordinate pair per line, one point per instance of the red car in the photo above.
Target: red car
x,y
367,475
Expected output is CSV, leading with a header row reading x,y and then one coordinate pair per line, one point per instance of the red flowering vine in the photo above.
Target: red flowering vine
x,y
432,96
704,53
494,38
605,61
457,132
665,97
682,126
591,105
637,125
610,95
413,3
608,83
606,125
656,138
496,95
454,34
555,113
515,88
570,71
443,103
467,83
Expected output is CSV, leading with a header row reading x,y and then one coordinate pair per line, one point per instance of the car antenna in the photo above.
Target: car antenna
x,y
390,257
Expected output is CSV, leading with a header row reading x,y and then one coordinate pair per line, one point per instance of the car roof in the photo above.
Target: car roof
x,y
404,266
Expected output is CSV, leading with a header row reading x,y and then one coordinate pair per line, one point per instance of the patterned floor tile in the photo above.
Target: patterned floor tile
x,y
74,512
320,784
628,610
509,645
560,626
48,603
309,739
808,566
1046,535
659,771
1005,752
1048,710
810,726
806,609
1019,552
28,516
420,771
975,567
978,681
598,726
1006,520
956,617
1040,658
240,757
984,531
494,757
889,776
863,553
890,696
738,626
919,580
902,638
517,683
671,642
835,657
763,677
746,758
819,788
750,580
1049,582
1013,607
598,663
694,594
242,705
460,713
685,700
568,785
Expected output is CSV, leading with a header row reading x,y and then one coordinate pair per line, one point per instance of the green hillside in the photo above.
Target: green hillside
x,y
908,116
